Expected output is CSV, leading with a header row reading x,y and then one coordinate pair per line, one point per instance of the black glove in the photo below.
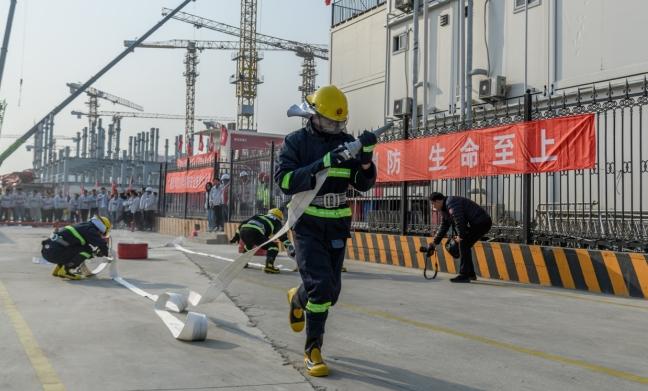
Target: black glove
x,y
369,141
428,250
235,238
336,157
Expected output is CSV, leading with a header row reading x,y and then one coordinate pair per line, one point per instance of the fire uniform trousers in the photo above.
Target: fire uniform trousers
x,y
258,229
471,222
71,245
320,235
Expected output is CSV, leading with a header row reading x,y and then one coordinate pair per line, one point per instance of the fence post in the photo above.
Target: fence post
x,y
230,200
403,203
186,205
526,182
271,179
161,195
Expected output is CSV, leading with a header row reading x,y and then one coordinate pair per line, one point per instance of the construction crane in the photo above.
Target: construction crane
x,y
191,72
14,136
200,45
93,101
126,114
246,78
53,142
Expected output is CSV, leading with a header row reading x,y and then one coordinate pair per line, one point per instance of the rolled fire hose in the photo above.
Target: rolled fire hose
x,y
195,326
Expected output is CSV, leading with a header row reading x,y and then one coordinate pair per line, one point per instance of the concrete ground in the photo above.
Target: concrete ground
x,y
392,330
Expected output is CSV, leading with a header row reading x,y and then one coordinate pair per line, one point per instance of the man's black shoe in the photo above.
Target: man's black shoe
x,y
473,276
461,278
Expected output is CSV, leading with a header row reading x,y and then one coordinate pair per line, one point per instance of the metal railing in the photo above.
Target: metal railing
x,y
344,10
602,207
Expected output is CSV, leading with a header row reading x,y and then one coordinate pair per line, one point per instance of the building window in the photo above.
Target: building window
x,y
519,4
399,43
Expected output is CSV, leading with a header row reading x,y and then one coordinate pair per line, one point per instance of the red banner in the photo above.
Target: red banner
x,y
192,181
567,143
254,141
197,160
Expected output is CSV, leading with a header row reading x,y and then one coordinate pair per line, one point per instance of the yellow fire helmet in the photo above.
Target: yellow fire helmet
x,y
276,213
103,224
330,102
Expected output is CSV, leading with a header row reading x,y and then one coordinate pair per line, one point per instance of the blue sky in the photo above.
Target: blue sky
x,y
55,42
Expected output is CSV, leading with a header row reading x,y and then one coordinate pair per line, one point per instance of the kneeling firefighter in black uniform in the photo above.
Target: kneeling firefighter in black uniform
x,y
257,230
321,233
70,246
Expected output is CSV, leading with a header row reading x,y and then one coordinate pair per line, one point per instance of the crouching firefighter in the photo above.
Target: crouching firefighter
x,y
257,230
70,246
321,233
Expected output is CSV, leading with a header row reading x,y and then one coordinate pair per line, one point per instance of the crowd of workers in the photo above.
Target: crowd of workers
x,y
131,208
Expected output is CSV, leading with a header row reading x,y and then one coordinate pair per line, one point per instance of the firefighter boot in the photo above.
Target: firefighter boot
x,y
56,270
315,365
296,315
64,272
270,268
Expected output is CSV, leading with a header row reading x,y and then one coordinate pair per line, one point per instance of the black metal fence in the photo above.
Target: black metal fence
x,y
249,189
603,207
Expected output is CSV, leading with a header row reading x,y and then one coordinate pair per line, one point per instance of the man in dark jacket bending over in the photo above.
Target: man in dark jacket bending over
x,y
470,222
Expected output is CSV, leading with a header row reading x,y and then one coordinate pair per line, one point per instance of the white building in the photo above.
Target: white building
x,y
576,55
569,42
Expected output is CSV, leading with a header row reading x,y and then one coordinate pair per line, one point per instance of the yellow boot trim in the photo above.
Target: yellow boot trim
x,y
315,364
70,276
56,270
271,270
296,314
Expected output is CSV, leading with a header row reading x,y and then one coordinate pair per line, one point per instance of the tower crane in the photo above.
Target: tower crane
x,y
97,133
191,63
93,101
126,114
199,44
246,78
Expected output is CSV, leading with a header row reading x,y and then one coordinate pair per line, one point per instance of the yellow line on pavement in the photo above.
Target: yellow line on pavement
x,y
484,340
44,370
501,345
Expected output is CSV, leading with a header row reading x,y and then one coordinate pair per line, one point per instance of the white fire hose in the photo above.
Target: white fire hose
x,y
195,326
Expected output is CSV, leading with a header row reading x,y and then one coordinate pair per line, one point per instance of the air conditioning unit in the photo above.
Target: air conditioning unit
x,y
402,107
404,5
493,88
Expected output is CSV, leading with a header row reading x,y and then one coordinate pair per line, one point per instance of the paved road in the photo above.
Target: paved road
x,y
95,335
392,330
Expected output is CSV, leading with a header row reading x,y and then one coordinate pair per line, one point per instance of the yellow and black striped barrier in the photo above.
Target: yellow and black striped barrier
x,y
616,273
621,274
